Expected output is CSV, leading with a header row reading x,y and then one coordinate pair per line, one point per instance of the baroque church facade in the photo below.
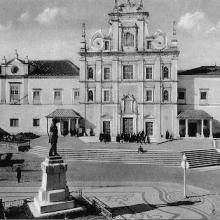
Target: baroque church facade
x,y
128,76
128,82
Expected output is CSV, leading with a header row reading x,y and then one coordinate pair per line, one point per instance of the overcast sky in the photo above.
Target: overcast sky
x,y
51,29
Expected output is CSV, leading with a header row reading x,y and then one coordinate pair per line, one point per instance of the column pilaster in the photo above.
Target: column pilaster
x,y
210,128
202,128
69,127
187,129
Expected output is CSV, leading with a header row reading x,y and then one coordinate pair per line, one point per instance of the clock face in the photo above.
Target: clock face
x,y
159,41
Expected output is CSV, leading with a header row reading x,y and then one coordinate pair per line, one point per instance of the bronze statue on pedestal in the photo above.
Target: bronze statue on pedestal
x,y
53,137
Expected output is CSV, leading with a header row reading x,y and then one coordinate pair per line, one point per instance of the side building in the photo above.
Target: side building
x,y
33,91
198,102
128,76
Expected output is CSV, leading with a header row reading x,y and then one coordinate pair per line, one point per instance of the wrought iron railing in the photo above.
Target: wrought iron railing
x,y
16,203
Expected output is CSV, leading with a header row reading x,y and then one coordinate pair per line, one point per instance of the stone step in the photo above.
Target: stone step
x,y
202,158
133,157
116,155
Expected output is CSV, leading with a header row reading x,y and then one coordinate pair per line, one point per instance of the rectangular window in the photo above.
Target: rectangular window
x,y
36,97
128,72
149,128
75,95
107,45
106,95
149,95
203,95
15,93
107,73
149,71
14,122
36,122
181,95
58,96
149,44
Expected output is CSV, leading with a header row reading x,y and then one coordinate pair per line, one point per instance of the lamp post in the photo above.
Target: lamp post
x,y
184,165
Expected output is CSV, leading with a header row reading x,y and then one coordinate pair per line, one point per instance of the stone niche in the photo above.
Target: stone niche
x,y
53,196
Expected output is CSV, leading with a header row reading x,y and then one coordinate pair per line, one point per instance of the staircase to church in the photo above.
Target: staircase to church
x,y
163,158
202,158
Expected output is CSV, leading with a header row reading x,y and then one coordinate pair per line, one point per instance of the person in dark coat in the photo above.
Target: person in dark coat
x,y
2,214
53,137
18,170
167,135
140,149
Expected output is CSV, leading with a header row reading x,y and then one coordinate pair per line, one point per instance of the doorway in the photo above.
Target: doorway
x,y
149,128
192,129
106,127
65,130
128,125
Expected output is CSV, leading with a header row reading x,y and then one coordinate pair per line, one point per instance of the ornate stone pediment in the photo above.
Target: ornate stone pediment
x,y
106,116
129,105
148,117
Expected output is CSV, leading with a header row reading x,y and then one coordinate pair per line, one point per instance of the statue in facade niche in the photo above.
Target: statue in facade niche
x,y
53,137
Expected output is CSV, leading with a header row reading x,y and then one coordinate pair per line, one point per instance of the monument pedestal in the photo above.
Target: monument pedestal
x,y
53,196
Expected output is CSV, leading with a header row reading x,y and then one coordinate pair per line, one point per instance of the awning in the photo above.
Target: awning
x,y
64,113
194,114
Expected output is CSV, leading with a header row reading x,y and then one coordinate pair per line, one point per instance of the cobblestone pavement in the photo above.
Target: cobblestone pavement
x,y
149,200
159,201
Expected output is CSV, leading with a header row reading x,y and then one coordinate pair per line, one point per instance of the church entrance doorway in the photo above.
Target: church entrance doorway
x,y
128,125
149,128
106,127
192,129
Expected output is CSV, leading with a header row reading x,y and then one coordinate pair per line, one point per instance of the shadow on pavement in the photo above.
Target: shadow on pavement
x,y
139,208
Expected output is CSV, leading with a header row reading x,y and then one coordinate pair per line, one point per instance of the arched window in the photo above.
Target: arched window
x,y
90,95
90,73
165,95
165,72
128,39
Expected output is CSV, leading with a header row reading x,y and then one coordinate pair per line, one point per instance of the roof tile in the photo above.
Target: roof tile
x,y
52,68
64,113
194,114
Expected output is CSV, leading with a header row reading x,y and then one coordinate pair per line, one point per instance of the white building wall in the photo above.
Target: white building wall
x,y
193,84
48,85
27,111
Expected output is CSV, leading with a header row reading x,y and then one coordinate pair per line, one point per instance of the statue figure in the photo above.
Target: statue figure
x,y
53,136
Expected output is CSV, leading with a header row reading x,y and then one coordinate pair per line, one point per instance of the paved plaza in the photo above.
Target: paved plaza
x,y
159,201
129,191
150,200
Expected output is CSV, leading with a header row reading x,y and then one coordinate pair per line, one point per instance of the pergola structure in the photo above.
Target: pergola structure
x,y
198,123
65,117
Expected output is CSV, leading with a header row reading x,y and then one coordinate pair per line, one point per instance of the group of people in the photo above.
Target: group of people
x,y
140,137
